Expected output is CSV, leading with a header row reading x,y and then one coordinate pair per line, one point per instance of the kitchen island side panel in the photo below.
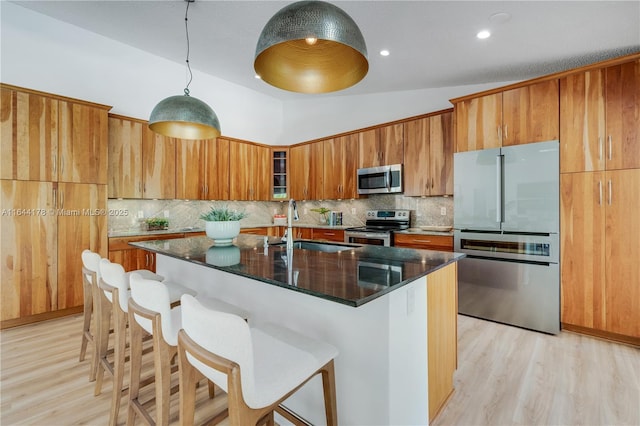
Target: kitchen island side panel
x,y
381,370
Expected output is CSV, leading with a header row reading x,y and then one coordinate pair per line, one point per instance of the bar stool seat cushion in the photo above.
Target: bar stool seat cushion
x,y
273,360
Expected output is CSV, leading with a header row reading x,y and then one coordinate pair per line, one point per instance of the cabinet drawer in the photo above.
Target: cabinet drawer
x,y
328,234
429,242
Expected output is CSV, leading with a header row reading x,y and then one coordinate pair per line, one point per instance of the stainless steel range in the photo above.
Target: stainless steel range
x,y
379,227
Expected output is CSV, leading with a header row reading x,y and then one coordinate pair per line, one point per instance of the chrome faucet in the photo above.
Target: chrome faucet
x,y
291,213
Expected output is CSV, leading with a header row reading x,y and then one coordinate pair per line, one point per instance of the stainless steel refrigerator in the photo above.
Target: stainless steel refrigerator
x,y
506,219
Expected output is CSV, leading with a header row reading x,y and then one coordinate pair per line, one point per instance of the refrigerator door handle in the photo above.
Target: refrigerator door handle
x,y
499,188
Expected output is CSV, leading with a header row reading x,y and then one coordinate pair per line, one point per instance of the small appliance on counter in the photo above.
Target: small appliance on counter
x,y
379,227
280,219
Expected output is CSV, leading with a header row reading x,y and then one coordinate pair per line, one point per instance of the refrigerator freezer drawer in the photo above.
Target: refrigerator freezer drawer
x,y
521,294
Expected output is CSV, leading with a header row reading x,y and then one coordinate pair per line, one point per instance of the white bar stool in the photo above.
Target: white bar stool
x,y
150,312
114,283
90,276
258,368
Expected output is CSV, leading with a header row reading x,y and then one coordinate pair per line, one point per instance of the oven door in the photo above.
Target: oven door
x,y
371,238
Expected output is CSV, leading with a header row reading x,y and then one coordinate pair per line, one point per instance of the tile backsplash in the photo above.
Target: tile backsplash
x,y
186,213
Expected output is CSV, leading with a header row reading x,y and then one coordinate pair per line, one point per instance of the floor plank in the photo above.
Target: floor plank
x,y
505,376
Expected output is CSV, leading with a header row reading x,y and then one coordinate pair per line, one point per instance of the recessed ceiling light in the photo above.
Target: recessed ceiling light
x,y
384,52
483,34
257,77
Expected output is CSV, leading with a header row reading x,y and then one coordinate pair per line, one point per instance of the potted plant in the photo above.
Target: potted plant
x,y
157,223
222,224
323,212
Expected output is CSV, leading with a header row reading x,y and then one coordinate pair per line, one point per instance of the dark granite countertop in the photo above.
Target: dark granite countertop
x,y
328,275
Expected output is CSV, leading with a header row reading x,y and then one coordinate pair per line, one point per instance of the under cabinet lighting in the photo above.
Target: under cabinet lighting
x,y
483,34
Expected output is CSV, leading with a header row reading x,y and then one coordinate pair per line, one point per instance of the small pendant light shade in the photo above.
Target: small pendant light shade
x,y
184,117
311,47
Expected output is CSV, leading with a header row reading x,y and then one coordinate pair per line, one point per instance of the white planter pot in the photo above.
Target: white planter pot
x,y
223,233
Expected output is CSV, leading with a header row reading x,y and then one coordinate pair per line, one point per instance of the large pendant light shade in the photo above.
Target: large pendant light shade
x,y
184,117
311,47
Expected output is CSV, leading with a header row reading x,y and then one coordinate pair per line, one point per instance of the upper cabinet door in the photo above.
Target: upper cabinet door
x,y
190,162
125,158
531,114
441,154
582,123
306,171
82,143
369,154
623,116
29,140
217,169
416,157
159,165
478,123
392,144
381,146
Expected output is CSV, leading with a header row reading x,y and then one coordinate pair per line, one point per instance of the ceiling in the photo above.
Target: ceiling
x,y
432,43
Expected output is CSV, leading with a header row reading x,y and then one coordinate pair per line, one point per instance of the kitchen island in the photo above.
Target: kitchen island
x,y
391,313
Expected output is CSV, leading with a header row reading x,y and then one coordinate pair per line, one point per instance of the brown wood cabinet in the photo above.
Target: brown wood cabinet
x,y
54,159
599,268
82,224
202,169
82,143
132,258
340,167
442,335
423,241
158,165
428,150
306,171
381,146
29,138
46,227
599,128
142,164
249,166
520,115
125,157
29,249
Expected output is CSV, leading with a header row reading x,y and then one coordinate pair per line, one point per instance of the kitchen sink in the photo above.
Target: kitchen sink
x,y
317,246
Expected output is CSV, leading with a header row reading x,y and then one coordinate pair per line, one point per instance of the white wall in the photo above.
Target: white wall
x,y
45,54
326,116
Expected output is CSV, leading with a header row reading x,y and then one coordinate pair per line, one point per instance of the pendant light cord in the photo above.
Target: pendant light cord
x,y
186,28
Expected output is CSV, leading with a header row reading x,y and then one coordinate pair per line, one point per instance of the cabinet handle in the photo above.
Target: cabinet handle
x,y
140,187
421,241
610,147
330,233
599,192
610,192
206,190
55,163
146,259
153,259
506,132
599,147
61,164
55,198
499,133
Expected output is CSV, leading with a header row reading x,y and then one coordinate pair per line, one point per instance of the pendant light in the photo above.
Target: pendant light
x,y
311,47
183,116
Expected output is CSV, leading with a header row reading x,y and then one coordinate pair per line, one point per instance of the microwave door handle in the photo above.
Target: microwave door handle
x,y
388,180
498,188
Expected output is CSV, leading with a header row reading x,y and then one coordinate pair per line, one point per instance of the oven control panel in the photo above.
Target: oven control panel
x,y
389,214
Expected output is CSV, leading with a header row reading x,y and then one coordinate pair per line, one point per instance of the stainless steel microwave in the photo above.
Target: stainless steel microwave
x,y
380,180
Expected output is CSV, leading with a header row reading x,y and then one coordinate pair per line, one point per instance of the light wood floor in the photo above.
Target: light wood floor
x,y
506,376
